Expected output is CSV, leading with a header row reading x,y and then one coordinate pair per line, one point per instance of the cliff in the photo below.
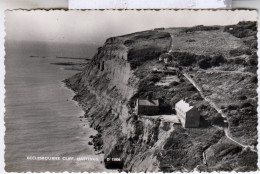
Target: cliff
x,y
127,67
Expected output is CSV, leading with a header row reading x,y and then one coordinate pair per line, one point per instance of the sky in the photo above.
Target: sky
x,y
96,26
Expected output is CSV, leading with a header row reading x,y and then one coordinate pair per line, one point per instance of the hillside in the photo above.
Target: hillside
x,y
214,67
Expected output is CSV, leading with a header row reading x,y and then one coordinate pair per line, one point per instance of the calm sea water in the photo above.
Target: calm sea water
x,y
41,118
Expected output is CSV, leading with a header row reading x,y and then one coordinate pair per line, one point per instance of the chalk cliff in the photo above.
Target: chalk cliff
x,y
126,68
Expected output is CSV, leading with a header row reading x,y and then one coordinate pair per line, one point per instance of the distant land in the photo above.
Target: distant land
x,y
53,49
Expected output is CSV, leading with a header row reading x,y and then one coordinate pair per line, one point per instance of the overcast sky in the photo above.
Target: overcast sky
x,y
96,26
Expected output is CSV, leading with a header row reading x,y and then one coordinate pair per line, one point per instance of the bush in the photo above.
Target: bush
x,y
128,42
153,78
218,120
242,97
217,60
166,55
254,79
254,44
184,58
196,97
242,29
201,28
204,63
240,51
240,61
252,62
246,105
174,83
232,107
191,88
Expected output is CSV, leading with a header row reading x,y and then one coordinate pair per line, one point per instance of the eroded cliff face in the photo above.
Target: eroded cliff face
x,y
104,89
120,72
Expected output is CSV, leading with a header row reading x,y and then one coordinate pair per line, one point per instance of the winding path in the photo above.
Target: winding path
x,y
212,104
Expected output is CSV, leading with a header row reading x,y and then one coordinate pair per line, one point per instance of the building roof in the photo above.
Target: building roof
x,y
148,102
185,107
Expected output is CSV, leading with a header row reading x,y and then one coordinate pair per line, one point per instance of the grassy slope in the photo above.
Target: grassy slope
x,y
222,87
195,50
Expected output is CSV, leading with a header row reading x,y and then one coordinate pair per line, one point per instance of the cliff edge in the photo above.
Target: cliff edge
x,y
215,67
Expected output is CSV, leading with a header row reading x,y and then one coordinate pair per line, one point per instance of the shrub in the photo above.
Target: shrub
x,y
166,87
246,104
254,44
204,63
174,83
253,56
230,61
217,60
128,42
232,107
190,40
184,58
242,29
242,97
196,97
191,88
201,28
166,55
218,120
240,51
154,78
252,62
254,79
240,61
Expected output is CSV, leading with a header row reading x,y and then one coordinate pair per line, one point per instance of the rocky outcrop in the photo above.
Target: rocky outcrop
x,y
120,72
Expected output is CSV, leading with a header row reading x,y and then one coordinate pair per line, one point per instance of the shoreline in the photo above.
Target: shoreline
x,y
94,141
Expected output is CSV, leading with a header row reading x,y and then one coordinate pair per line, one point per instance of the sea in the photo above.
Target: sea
x,y
44,128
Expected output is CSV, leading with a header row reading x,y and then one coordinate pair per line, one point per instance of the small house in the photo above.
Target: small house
x,y
147,107
188,115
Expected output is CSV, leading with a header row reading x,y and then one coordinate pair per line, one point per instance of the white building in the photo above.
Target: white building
x,y
188,115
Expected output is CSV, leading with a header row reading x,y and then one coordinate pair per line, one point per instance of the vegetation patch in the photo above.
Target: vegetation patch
x,y
201,28
242,29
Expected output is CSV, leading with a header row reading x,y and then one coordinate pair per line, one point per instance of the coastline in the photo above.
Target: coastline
x,y
94,137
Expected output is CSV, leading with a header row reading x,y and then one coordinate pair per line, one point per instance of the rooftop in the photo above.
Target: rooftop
x,y
183,105
148,102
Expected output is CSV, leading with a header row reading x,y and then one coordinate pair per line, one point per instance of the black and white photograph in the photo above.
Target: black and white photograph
x,y
131,91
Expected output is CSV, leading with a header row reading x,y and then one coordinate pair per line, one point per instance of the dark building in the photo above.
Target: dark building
x,y
147,107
